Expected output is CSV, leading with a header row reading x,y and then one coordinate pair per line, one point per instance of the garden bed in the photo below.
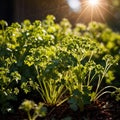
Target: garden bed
x,y
105,109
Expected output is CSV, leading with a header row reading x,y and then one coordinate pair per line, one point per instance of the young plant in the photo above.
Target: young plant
x,y
82,50
9,80
86,73
51,91
101,71
48,76
33,110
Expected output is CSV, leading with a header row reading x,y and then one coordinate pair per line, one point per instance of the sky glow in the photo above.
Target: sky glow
x,y
75,5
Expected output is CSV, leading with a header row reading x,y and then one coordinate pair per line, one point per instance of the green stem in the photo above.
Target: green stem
x,y
29,116
92,78
99,94
35,116
91,56
103,75
97,97
88,81
98,84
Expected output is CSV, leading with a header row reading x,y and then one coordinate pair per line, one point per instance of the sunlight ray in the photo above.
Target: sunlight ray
x,y
92,14
106,5
101,14
88,7
108,11
82,13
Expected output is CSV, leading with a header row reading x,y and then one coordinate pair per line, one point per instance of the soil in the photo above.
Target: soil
x,y
104,109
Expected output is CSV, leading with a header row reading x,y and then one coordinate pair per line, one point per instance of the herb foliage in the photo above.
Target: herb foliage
x,y
61,63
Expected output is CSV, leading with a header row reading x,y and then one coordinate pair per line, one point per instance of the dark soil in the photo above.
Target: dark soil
x,y
104,109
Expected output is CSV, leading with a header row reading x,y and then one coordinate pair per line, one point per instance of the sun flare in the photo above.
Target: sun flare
x,y
90,10
93,10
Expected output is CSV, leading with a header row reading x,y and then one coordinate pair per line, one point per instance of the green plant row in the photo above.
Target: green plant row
x,y
60,63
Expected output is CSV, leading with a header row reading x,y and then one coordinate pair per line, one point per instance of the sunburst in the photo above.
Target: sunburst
x,y
92,8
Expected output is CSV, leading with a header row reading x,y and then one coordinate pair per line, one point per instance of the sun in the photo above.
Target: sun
x,y
93,2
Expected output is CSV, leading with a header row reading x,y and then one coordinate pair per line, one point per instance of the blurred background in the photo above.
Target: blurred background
x,y
108,11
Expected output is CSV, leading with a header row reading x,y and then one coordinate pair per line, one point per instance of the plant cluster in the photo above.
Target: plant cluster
x,y
61,63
